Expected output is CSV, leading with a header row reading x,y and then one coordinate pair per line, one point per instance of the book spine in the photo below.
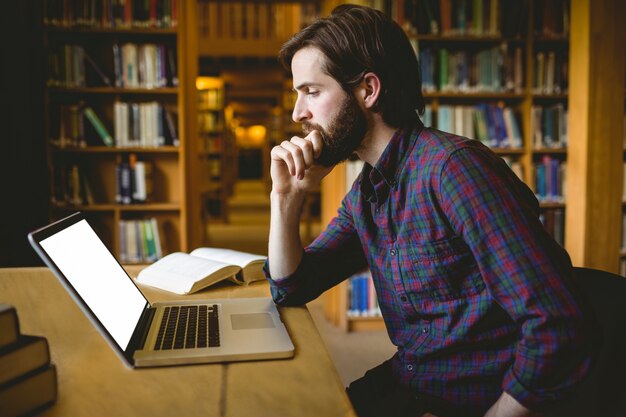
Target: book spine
x,y
99,126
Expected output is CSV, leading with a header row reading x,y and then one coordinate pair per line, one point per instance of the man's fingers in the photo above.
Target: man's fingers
x,y
297,156
306,147
281,154
316,140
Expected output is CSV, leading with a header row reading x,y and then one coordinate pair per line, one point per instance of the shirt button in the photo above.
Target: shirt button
x,y
403,298
425,330
393,252
409,368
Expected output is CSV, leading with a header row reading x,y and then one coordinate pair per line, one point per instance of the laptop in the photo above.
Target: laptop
x,y
164,333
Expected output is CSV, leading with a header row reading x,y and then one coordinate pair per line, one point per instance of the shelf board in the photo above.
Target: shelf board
x,y
454,38
111,31
365,323
508,151
559,151
560,96
114,90
551,205
120,207
564,39
474,95
116,150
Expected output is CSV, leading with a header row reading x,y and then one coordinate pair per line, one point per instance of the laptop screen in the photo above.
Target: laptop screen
x,y
98,279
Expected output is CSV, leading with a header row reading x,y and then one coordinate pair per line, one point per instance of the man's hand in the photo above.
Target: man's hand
x,y
293,167
507,406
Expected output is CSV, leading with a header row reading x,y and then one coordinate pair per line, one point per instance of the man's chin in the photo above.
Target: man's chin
x,y
330,160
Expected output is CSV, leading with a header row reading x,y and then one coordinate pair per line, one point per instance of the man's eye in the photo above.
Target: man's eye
x,y
312,92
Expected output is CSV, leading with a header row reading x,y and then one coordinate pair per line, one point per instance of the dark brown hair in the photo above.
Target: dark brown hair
x,y
356,40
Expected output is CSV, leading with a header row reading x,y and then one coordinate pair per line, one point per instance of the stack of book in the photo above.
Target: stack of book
x,y
28,380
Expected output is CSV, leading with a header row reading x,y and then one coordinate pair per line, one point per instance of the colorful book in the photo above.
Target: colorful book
x,y
102,131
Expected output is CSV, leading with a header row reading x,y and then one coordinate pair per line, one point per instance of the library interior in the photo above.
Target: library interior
x,y
155,119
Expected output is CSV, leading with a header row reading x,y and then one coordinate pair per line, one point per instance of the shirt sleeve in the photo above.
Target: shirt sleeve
x,y
333,256
525,271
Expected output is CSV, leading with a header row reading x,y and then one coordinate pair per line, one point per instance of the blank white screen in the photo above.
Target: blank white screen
x,y
97,277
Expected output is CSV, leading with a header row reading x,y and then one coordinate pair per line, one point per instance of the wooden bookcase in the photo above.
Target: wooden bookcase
x,y
76,82
532,39
214,147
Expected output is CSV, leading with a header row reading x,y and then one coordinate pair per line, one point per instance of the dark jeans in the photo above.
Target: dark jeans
x,y
377,394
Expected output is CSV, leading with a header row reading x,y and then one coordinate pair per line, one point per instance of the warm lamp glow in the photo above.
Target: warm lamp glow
x,y
251,136
207,83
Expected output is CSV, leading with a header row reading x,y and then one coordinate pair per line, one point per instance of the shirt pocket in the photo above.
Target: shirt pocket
x,y
442,270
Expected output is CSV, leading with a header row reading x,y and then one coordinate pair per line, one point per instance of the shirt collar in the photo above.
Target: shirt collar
x,y
377,180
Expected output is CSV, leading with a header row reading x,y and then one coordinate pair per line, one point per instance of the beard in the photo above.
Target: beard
x,y
343,135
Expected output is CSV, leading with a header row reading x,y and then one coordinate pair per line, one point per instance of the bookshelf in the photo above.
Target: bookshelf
x,y
214,147
251,28
119,82
515,59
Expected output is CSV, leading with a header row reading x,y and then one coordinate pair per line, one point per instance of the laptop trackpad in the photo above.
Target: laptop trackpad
x,y
251,321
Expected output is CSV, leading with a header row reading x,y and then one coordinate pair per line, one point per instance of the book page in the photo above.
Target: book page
x,y
229,256
178,272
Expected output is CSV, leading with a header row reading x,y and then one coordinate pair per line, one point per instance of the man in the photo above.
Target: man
x,y
476,296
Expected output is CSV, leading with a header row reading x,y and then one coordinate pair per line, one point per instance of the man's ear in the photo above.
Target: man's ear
x,y
370,89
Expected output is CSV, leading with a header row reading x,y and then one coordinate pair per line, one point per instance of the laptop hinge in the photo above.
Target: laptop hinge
x,y
138,340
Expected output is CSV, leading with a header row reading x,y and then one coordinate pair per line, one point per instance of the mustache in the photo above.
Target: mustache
x,y
308,127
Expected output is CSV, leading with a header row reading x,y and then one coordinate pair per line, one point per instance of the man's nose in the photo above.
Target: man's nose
x,y
300,112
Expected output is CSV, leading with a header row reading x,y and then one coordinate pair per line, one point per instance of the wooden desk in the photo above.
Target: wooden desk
x,y
93,381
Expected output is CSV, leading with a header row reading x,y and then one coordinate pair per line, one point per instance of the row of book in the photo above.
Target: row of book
x,y
551,72
211,143
497,69
553,220
499,127
28,379
111,13
148,124
253,19
144,125
494,125
551,18
507,18
211,98
362,298
210,122
140,241
70,186
133,66
134,182
462,17
549,126
550,179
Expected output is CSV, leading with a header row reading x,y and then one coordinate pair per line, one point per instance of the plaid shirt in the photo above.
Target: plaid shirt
x,y
475,294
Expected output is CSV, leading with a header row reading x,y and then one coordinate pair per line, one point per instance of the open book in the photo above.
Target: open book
x,y
185,273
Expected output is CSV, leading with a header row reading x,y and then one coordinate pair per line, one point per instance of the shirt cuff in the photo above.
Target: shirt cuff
x,y
529,399
282,287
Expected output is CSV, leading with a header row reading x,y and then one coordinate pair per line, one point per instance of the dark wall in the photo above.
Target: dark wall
x,y
23,169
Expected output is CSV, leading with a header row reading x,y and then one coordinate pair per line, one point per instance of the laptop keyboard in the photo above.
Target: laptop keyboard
x,y
189,327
